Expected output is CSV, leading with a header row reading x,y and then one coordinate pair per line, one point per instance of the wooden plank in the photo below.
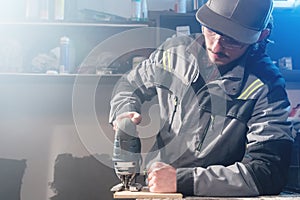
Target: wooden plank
x,y
147,195
271,197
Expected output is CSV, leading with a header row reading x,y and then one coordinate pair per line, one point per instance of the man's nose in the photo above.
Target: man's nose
x,y
216,44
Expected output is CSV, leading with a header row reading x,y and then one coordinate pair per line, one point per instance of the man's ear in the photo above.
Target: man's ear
x,y
264,34
202,28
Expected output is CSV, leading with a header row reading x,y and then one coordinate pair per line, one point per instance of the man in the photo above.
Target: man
x,y
223,106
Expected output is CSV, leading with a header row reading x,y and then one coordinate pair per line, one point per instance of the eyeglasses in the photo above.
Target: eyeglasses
x,y
225,41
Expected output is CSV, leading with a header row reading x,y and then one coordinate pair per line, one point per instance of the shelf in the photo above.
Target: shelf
x,y
84,24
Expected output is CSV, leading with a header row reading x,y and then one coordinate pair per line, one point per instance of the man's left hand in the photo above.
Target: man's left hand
x,y
162,178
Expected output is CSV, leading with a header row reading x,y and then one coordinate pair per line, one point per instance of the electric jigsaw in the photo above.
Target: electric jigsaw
x,y
126,156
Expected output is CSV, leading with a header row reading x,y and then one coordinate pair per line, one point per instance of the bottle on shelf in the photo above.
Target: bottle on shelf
x,y
44,10
64,57
32,10
187,6
136,8
181,6
144,10
59,10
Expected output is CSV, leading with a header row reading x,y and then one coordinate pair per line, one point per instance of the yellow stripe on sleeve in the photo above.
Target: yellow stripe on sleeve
x,y
251,89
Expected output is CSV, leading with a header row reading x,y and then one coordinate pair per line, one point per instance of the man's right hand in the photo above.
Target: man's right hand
x,y
134,116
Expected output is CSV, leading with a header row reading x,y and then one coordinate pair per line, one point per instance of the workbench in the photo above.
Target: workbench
x,y
177,196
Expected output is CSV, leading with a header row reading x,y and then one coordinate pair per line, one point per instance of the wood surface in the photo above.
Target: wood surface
x,y
147,195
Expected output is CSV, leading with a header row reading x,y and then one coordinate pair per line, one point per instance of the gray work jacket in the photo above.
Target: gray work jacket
x,y
225,132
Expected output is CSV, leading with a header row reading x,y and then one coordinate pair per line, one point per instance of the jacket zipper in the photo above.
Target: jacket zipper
x,y
173,114
208,125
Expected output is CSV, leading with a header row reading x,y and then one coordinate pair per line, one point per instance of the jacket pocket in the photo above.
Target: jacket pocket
x,y
231,123
208,125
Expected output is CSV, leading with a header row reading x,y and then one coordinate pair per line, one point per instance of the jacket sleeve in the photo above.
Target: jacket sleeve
x,y
132,90
270,142
264,167
141,83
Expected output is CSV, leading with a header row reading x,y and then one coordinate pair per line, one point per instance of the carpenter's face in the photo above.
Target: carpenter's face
x,y
222,49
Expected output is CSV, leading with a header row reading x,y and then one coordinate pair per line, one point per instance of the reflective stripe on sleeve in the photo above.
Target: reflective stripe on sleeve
x,y
167,61
251,89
